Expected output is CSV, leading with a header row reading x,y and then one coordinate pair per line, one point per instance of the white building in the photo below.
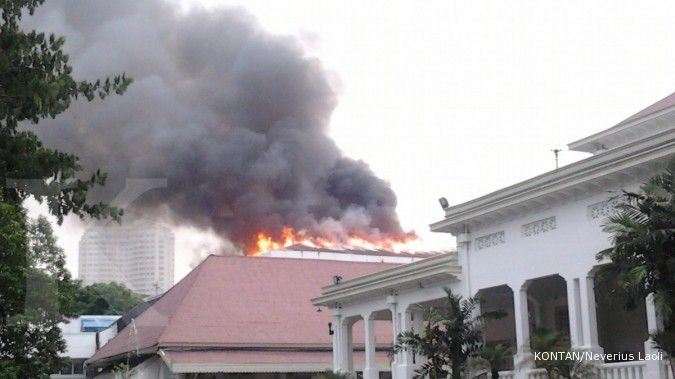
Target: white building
x,y
529,249
84,336
138,254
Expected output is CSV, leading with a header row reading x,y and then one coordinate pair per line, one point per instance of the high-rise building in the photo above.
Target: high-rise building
x,y
138,254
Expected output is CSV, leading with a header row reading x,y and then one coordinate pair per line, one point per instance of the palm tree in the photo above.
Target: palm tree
x,y
549,341
560,366
643,250
451,336
495,356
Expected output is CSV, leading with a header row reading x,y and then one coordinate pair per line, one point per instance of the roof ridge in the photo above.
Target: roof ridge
x,y
195,272
154,307
327,261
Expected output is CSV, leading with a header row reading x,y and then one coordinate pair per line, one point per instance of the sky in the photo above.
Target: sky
x,y
458,99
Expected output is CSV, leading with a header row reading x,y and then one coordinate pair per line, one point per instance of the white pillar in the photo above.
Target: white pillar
x,y
574,308
370,370
337,341
347,364
589,319
406,367
392,303
464,258
656,369
523,359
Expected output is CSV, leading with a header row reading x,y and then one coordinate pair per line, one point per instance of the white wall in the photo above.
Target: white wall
x,y
570,249
83,344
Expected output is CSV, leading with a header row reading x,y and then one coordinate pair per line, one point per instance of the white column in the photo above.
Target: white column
x,y
589,319
574,308
392,303
337,341
464,258
370,370
406,367
656,369
522,360
347,364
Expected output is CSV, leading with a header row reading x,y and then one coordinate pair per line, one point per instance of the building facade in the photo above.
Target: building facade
x,y
138,254
84,335
530,250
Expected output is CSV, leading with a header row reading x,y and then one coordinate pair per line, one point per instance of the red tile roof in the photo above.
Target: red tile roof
x,y
243,302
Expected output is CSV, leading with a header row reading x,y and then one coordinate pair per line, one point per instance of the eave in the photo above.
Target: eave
x,y
631,129
255,367
576,179
442,268
119,357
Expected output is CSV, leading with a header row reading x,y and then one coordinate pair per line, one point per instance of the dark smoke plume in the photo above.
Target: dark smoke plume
x,y
235,118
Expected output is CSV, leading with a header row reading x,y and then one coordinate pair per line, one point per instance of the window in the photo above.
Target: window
x,y
95,324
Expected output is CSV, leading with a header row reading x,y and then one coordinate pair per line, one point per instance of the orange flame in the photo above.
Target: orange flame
x,y
265,242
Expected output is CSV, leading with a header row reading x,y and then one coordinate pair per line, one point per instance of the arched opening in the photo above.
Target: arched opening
x,y
503,330
621,329
548,309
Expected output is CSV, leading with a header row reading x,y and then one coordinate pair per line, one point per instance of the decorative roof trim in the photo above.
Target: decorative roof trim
x,y
593,143
645,150
443,267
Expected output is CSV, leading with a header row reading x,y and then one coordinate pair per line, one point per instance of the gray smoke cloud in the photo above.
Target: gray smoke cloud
x,y
234,117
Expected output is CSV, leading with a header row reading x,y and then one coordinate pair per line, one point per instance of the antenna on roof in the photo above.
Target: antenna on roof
x,y
556,152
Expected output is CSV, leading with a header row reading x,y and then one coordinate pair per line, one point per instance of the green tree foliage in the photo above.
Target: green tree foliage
x,y
564,364
14,244
643,250
30,339
544,341
495,356
36,83
37,291
105,299
451,335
